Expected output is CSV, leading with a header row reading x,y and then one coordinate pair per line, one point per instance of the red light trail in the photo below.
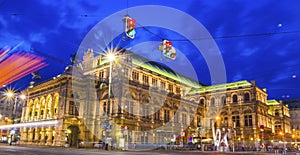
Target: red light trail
x,y
15,65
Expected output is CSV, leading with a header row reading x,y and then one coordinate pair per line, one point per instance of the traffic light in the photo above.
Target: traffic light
x,y
129,27
168,50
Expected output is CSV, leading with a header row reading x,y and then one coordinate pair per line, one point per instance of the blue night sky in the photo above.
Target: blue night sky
x,y
56,29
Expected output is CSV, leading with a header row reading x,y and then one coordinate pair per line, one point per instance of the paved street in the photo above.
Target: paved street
x,y
25,150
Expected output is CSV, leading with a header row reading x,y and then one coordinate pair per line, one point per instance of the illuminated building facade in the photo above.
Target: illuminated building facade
x,y
242,109
294,107
50,114
10,113
149,104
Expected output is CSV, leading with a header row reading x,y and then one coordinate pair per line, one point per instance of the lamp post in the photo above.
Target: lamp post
x,y
111,57
200,134
11,95
234,125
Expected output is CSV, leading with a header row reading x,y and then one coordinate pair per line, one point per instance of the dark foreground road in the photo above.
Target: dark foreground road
x,y
21,150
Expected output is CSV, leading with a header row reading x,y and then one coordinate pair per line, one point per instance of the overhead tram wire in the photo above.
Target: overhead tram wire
x,y
241,36
222,37
158,36
146,29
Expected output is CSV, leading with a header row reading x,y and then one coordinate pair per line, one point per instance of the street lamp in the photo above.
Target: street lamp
x,y
200,134
111,56
11,95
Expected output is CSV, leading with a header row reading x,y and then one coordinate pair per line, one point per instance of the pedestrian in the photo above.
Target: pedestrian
x,y
243,147
284,149
276,147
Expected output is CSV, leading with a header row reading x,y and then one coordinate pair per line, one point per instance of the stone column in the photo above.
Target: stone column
x,y
49,136
24,135
43,133
30,135
37,135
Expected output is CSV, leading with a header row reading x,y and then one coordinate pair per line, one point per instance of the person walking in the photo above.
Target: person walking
x,y
276,147
243,147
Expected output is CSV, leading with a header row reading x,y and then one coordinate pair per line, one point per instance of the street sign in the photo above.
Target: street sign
x,y
262,127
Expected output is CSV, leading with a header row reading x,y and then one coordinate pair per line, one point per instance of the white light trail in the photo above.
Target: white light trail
x,y
32,124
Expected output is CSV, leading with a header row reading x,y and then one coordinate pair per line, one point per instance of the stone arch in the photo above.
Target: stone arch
x,y
247,96
56,101
49,106
202,101
276,112
42,107
73,135
223,100
193,99
29,109
234,98
35,107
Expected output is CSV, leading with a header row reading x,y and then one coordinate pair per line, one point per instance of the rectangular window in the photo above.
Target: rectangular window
x,y
71,107
170,88
154,82
101,75
146,79
157,114
76,110
178,90
248,120
163,85
236,121
166,115
135,76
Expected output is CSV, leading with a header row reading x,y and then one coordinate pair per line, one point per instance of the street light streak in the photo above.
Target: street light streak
x,y
15,65
32,124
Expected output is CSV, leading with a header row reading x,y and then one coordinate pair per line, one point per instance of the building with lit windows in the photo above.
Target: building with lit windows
x,y
148,104
294,108
10,113
49,116
242,108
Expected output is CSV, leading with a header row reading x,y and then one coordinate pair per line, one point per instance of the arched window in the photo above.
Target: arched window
x,y
223,100
202,101
212,102
234,98
246,97
276,112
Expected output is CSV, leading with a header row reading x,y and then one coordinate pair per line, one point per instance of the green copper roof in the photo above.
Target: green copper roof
x,y
159,69
155,67
233,85
272,102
